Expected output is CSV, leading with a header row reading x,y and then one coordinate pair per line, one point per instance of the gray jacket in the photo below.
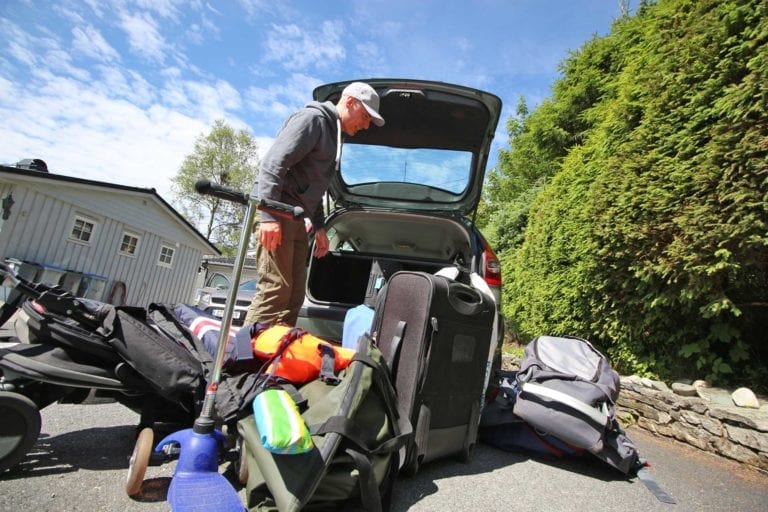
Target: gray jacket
x,y
299,166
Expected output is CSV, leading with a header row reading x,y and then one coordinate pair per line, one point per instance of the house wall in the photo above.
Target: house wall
x,y
41,222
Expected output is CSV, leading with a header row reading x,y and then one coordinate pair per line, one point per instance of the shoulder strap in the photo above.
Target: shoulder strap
x,y
189,340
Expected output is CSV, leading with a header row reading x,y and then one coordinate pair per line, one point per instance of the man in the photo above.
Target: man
x,y
297,170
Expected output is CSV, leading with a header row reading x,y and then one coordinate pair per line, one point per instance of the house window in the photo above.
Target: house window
x,y
82,230
129,244
166,256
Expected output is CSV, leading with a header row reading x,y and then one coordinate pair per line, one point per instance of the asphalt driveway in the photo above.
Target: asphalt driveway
x,y
80,461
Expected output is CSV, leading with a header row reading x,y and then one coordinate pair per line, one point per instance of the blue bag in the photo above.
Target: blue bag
x,y
357,322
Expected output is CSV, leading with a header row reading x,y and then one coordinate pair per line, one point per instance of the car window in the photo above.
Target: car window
x,y
392,169
218,281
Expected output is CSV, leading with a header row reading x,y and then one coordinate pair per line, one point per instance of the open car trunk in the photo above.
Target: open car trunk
x,y
367,247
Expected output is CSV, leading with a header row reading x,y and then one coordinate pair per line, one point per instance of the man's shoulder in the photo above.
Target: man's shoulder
x,y
326,110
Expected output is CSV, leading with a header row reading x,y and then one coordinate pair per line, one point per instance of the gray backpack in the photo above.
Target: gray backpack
x,y
567,389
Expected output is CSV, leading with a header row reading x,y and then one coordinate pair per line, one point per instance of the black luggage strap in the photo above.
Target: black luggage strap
x,y
328,364
369,491
394,347
299,399
351,430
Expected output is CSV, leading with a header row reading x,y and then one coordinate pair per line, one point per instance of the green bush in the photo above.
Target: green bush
x,y
651,234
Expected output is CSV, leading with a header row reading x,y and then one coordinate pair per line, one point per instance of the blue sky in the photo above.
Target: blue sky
x,y
118,90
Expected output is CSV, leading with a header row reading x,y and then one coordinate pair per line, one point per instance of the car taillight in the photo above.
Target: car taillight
x,y
492,268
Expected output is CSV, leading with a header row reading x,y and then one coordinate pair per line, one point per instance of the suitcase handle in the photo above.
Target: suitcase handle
x,y
465,299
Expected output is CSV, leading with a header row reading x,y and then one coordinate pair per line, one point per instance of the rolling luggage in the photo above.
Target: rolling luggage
x,y
435,334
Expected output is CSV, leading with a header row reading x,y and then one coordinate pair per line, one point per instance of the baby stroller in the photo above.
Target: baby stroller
x,y
83,351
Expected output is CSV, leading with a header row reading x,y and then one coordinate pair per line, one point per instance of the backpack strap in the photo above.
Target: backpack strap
x,y
348,428
189,340
645,476
369,491
364,444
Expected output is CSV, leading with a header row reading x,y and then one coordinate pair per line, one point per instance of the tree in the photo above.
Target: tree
x,y
224,157
650,235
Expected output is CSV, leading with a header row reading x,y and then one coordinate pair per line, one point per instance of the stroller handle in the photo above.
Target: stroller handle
x,y
276,208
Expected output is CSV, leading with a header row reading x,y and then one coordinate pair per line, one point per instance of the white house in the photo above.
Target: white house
x,y
114,243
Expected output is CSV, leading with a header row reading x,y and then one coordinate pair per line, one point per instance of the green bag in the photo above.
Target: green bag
x,y
357,436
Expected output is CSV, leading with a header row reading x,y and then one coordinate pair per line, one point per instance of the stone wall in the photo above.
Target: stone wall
x,y
704,417
710,421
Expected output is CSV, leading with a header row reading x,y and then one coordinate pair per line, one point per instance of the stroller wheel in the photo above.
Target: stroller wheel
x,y
19,428
137,466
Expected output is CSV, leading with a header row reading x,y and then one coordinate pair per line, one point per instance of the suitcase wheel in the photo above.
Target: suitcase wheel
x,y
241,465
465,454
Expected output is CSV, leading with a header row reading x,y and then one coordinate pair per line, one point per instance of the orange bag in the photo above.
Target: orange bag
x,y
297,354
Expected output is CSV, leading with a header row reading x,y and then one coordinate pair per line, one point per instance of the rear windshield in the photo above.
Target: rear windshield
x,y
389,172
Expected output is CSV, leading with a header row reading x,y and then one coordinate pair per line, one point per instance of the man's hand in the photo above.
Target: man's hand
x,y
270,235
321,243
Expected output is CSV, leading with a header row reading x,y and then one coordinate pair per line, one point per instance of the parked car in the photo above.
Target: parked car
x,y
405,197
212,299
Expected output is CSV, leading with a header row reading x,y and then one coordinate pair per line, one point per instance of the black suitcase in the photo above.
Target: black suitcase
x,y
435,334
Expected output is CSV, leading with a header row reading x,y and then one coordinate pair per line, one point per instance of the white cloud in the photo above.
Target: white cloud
x,y
280,100
82,132
296,49
127,84
89,41
109,125
263,143
198,98
370,60
144,36
21,53
164,8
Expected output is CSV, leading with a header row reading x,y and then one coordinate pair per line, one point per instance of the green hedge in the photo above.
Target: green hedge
x,y
651,234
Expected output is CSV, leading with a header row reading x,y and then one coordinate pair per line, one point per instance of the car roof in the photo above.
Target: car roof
x,y
436,122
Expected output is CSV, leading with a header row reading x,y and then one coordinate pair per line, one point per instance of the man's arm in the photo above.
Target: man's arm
x,y
296,139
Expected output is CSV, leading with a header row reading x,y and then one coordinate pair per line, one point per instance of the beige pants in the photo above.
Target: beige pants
x,y
282,276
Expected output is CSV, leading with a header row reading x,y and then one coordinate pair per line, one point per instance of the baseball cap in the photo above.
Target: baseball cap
x,y
368,97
